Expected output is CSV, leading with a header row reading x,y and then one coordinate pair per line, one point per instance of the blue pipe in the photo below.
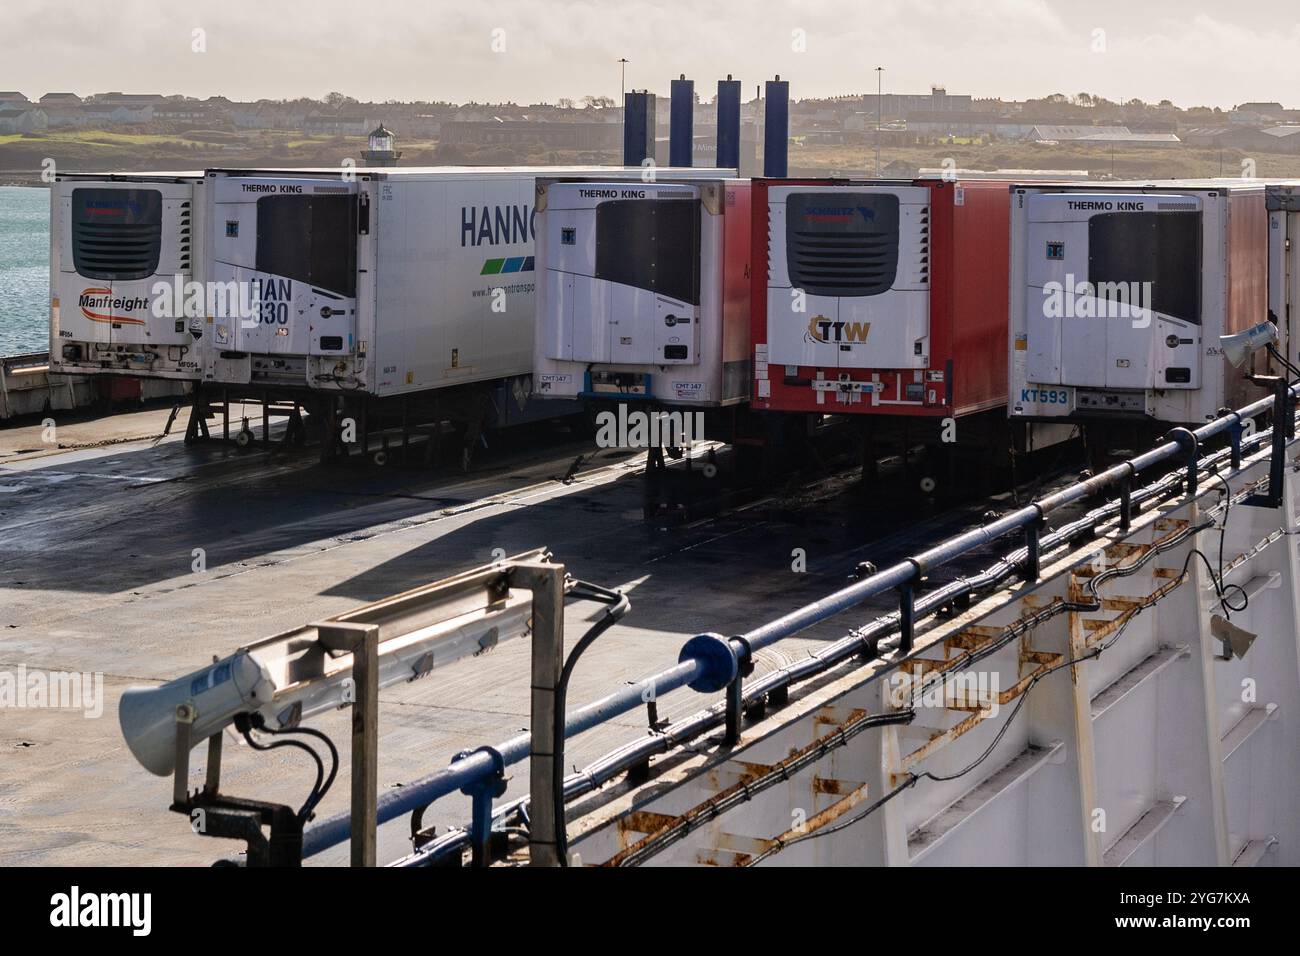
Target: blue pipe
x,y
728,150
473,768
478,765
681,123
776,129
615,762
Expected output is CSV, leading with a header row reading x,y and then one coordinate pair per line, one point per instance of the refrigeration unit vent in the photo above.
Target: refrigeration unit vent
x,y
183,230
842,244
116,233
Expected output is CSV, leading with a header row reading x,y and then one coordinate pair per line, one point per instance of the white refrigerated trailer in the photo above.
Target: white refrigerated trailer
x,y
380,281
396,285
1283,202
1120,293
644,291
117,240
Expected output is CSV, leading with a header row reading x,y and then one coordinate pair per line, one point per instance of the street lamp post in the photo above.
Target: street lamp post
x,y
880,113
622,92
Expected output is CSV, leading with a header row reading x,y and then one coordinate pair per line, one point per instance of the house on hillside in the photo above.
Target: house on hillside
x,y
337,124
97,114
23,120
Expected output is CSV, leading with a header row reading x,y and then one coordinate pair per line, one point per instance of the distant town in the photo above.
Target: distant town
x,y
1079,134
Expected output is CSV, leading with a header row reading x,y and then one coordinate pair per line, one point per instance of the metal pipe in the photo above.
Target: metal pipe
x,y
776,128
638,128
420,793
465,771
681,123
728,148
774,682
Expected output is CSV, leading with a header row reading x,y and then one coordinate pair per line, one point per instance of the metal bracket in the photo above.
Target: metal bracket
x,y
362,640
235,818
1283,431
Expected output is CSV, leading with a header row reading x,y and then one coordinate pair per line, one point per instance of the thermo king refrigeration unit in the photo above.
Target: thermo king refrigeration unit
x,y
1120,293
643,291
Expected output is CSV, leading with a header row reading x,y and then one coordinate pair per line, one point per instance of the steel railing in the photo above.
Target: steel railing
x,y
710,663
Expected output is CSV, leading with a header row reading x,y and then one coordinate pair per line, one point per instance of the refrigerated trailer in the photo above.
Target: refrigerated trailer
x,y
382,282
1283,202
643,291
393,297
880,298
123,248
1120,292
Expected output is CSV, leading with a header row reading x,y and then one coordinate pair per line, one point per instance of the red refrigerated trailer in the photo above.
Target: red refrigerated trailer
x,y
880,298
885,300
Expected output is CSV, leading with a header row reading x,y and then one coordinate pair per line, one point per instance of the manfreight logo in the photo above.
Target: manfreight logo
x,y
826,331
493,267
100,305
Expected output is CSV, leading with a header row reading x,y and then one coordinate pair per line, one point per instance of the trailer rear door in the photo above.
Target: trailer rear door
x,y
285,265
1114,297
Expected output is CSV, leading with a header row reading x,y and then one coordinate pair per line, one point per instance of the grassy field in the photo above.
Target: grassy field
x,y
22,155
1171,162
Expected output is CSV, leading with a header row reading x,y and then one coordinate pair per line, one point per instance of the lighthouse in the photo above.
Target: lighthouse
x,y
380,149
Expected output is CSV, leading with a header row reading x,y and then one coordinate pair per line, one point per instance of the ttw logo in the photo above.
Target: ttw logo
x,y
961,690
132,910
642,429
826,331
1103,300
55,690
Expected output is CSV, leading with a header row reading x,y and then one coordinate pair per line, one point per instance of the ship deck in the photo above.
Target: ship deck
x,y
98,544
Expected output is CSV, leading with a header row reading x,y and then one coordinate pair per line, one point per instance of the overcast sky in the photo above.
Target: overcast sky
x,y
1194,53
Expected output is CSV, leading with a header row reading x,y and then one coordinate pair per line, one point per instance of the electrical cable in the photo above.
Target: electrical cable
x,y
914,778
1282,360
246,723
1093,583
858,638
618,605
313,802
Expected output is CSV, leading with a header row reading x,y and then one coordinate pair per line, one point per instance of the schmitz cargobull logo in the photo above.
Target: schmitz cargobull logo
x,y
100,305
